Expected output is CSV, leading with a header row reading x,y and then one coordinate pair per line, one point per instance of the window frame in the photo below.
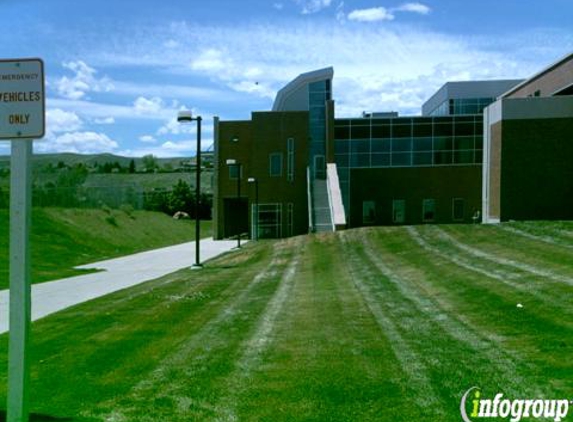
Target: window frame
x,y
426,209
280,157
454,209
290,159
372,206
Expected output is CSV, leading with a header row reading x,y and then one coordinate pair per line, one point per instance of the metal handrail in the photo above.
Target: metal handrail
x,y
309,199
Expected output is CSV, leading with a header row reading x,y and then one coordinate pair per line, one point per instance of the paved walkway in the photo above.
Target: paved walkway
x,y
118,274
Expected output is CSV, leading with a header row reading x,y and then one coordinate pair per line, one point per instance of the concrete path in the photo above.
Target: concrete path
x,y
118,274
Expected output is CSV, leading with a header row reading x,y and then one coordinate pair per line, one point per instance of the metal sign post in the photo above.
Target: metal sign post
x,y
20,291
22,119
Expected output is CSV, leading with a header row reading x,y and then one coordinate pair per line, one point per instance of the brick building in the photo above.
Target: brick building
x,y
501,149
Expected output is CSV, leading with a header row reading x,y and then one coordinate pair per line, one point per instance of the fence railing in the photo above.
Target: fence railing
x,y
93,197
309,199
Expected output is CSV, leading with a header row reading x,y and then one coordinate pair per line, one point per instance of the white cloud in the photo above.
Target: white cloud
x,y
312,6
83,81
183,148
58,120
211,60
173,127
148,106
179,147
377,14
148,139
369,60
105,121
98,110
414,7
171,91
240,77
78,142
374,14
251,87
278,6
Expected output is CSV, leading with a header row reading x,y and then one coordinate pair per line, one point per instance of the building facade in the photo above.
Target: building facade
x,y
528,149
497,149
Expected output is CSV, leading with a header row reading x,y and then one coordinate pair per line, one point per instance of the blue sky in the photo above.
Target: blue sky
x,y
118,71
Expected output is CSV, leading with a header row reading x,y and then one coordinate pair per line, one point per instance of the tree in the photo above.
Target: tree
x,y
132,166
149,163
181,198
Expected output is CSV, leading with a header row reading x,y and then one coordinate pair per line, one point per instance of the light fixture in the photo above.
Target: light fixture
x,y
185,116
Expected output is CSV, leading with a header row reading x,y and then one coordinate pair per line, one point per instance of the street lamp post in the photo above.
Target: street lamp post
x,y
233,162
256,182
182,117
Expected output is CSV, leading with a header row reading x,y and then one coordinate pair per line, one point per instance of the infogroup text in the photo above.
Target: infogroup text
x,y
476,407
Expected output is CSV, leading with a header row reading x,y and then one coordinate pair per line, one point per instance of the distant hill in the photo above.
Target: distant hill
x,y
90,160
109,170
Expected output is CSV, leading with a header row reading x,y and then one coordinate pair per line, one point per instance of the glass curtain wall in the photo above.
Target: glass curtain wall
x,y
319,93
459,106
405,142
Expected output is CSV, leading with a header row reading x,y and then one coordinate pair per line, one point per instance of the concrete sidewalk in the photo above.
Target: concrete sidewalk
x,y
118,274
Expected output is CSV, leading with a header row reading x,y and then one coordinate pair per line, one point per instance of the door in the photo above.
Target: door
x,y
398,211
236,217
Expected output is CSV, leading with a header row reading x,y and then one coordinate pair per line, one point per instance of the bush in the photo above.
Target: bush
x,y
106,209
111,220
128,210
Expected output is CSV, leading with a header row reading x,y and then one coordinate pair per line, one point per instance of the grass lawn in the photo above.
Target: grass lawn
x,y
63,238
379,324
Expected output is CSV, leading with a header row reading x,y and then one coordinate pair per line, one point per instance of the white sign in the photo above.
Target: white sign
x,y
22,100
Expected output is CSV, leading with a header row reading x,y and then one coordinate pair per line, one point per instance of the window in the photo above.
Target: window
x,y
290,159
341,132
422,158
290,219
359,146
428,210
398,211
368,212
401,159
254,222
360,132
276,164
381,145
269,219
458,205
234,171
380,160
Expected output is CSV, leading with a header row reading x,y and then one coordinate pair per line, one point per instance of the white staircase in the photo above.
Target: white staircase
x,y
321,207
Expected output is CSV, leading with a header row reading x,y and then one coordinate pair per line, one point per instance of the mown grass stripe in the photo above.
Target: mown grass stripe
x,y
410,362
531,289
454,325
258,341
502,261
490,307
540,238
195,355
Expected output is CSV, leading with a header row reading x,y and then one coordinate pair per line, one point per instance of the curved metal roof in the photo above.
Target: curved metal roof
x,y
299,83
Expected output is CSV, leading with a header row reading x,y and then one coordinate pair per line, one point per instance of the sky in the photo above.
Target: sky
x,y
117,72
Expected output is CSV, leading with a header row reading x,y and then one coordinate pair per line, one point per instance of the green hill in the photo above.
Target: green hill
x,y
64,238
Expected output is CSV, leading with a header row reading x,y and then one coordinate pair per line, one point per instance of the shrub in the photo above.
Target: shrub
x,y
111,220
105,208
128,210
